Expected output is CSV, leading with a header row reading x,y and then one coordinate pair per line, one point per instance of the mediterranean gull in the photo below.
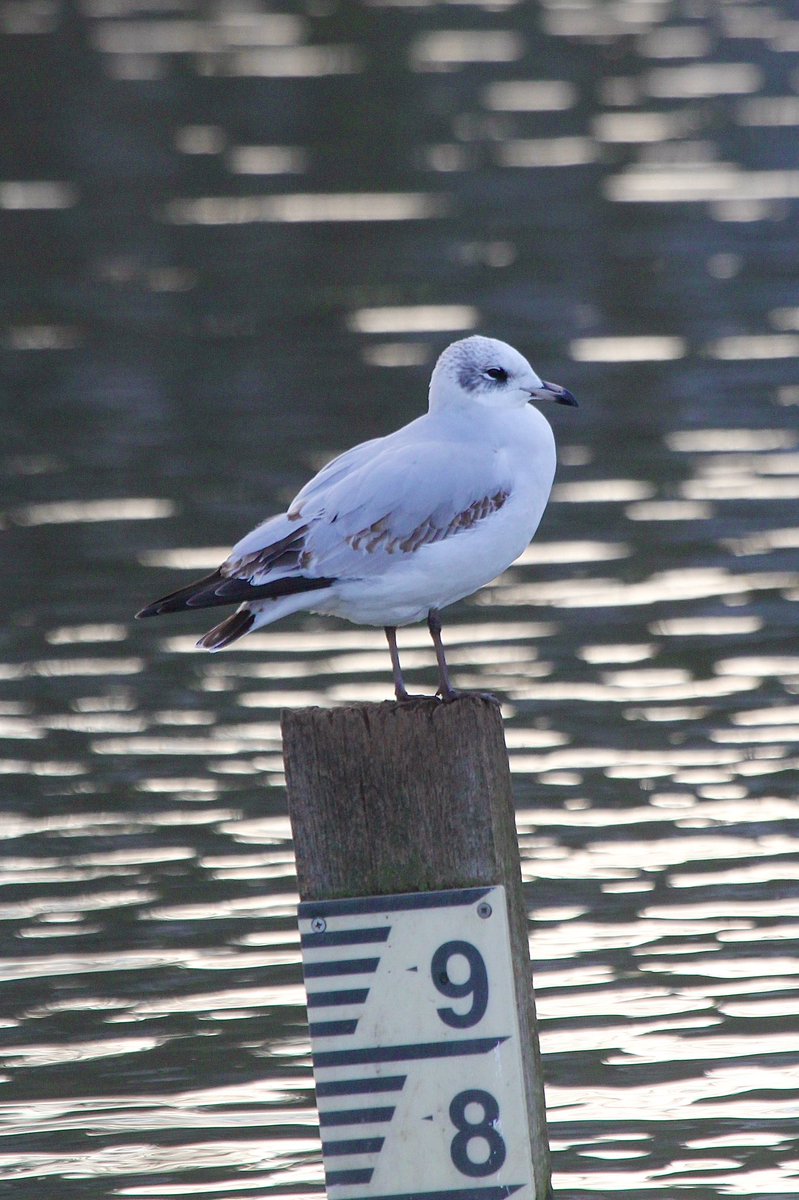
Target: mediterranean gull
x,y
400,526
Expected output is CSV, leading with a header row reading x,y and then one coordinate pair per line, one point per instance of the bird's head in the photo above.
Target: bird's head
x,y
490,373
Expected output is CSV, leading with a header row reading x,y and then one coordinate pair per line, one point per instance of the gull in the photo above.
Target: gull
x,y
398,527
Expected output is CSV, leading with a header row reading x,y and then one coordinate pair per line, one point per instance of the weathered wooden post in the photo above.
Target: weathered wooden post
x,y
421,1005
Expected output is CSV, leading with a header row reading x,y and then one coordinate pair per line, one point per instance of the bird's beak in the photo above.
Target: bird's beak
x,y
553,391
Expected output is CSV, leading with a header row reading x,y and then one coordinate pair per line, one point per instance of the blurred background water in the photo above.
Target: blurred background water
x,y
235,235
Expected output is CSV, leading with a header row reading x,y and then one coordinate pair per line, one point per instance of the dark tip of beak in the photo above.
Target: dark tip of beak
x,y
561,395
553,391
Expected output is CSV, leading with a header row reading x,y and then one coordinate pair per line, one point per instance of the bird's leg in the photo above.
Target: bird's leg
x,y
400,690
446,691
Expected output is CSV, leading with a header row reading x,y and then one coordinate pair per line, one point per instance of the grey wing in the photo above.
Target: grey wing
x,y
406,497
338,468
375,504
369,508
277,543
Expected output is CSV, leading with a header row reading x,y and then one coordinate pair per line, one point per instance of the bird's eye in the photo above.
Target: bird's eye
x,y
498,373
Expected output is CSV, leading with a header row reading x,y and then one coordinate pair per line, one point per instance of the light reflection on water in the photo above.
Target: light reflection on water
x,y
231,213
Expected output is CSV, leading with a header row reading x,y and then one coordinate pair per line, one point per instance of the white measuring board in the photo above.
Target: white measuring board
x,y
415,1039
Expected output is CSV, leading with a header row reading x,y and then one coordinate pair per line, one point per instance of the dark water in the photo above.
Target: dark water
x,y
235,236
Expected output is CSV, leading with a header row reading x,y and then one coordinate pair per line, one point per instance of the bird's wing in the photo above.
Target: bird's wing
x,y
404,496
370,508
273,541
338,468
270,565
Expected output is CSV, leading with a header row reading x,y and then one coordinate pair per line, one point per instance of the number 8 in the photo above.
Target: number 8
x,y
483,1129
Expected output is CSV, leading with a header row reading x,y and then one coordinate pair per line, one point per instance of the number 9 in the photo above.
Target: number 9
x,y
475,985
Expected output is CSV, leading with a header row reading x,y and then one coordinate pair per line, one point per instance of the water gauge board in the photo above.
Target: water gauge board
x,y
415,1039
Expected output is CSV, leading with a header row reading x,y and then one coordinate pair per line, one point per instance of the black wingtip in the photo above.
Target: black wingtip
x,y
218,589
151,610
182,599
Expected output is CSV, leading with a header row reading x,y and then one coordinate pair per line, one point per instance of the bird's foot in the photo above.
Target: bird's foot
x,y
404,697
449,694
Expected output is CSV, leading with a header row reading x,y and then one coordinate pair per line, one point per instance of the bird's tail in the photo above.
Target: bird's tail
x,y
254,615
229,630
